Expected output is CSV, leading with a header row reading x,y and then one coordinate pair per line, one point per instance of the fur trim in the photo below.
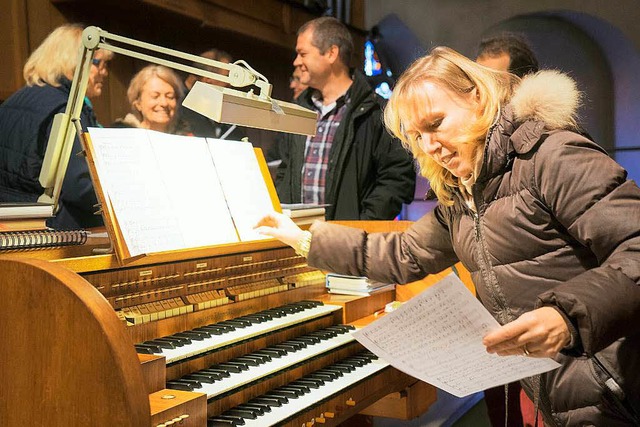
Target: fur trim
x,y
548,96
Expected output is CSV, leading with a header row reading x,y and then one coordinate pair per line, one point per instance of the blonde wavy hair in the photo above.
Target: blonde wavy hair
x,y
56,57
134,91
458,74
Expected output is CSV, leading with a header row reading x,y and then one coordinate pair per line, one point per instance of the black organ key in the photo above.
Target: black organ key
x,y
274,349
347,366
175,341
284,393
179,341
213,330
260,358
309,339
247,360
242,365
285,346
214,371
280,397
311,304
260,407
333,370
247,414
224,326
161,343
229,367
249,319
143,349
192,335
238,323
323,376
307,383
219,422
237,421
303,388
325,335
209,379
263,400
342,368
296,344
178,385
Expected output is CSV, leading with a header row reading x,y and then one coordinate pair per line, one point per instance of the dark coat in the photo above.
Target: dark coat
x,y
557,224
25,123
370,175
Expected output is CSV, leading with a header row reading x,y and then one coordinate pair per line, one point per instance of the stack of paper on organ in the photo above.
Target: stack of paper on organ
x,y
354,285
165,192
24,216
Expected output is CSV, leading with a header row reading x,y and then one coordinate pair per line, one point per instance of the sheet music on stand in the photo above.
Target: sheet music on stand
x,y
161,192
436,337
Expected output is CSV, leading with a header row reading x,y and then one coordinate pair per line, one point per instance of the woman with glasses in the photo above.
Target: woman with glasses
x,y
25,123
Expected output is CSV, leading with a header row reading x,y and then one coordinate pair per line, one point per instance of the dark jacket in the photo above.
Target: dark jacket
x,y
370,175
557,224
25,123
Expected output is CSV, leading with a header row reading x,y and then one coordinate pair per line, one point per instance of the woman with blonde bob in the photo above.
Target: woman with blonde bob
x,y
545,222
25,123
154,94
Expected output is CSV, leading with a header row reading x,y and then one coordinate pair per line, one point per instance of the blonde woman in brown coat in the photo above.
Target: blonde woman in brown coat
x,y
547,224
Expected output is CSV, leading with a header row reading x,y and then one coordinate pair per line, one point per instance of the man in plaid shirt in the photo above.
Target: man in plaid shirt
x,y
352,163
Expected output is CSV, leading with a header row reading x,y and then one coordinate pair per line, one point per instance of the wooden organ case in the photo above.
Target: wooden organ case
x,y
241,334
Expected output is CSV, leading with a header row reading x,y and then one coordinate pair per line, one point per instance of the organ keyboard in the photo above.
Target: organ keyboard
x,y
221,335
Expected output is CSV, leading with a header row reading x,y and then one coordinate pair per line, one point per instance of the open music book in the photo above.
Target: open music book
x,y
162,192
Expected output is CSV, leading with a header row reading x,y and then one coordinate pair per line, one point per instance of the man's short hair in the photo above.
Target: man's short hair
x,y
328,31
216,55
522,60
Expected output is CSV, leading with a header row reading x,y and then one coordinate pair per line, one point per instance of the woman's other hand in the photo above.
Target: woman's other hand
x,y
281,227
539,333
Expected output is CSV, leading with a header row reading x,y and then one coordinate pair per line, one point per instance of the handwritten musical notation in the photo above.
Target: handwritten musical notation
x,y
437,337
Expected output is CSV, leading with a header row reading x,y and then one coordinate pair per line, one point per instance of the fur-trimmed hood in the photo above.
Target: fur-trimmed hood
x,y
544,102
548,96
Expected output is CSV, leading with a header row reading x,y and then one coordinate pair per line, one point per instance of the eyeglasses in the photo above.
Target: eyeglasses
x,y
100,63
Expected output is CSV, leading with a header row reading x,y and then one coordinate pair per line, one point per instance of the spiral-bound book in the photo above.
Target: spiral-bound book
x,y
41,239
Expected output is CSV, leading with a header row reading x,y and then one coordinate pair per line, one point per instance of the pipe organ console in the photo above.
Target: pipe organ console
x,y
234,335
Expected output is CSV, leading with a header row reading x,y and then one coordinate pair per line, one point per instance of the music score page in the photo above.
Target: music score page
x,y
436,337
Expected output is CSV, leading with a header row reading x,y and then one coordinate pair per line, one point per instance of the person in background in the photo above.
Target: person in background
x,y
199,124
295,84
507,52
273,155
154,94
25,124
538,214
352,163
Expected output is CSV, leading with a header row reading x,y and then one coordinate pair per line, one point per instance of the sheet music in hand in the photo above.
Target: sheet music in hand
x,y
436,337
166,192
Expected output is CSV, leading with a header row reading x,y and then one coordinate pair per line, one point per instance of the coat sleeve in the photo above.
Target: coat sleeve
x,y
395,177
397,257
589,195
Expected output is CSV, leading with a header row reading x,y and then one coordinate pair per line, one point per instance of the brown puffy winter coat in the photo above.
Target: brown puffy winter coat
x,y
557,224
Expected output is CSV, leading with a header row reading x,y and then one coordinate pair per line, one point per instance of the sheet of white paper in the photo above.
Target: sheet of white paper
x,y
144,209
243,184
437,337
191,182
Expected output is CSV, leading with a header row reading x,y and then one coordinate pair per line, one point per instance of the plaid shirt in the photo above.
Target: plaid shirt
x,y
318,147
